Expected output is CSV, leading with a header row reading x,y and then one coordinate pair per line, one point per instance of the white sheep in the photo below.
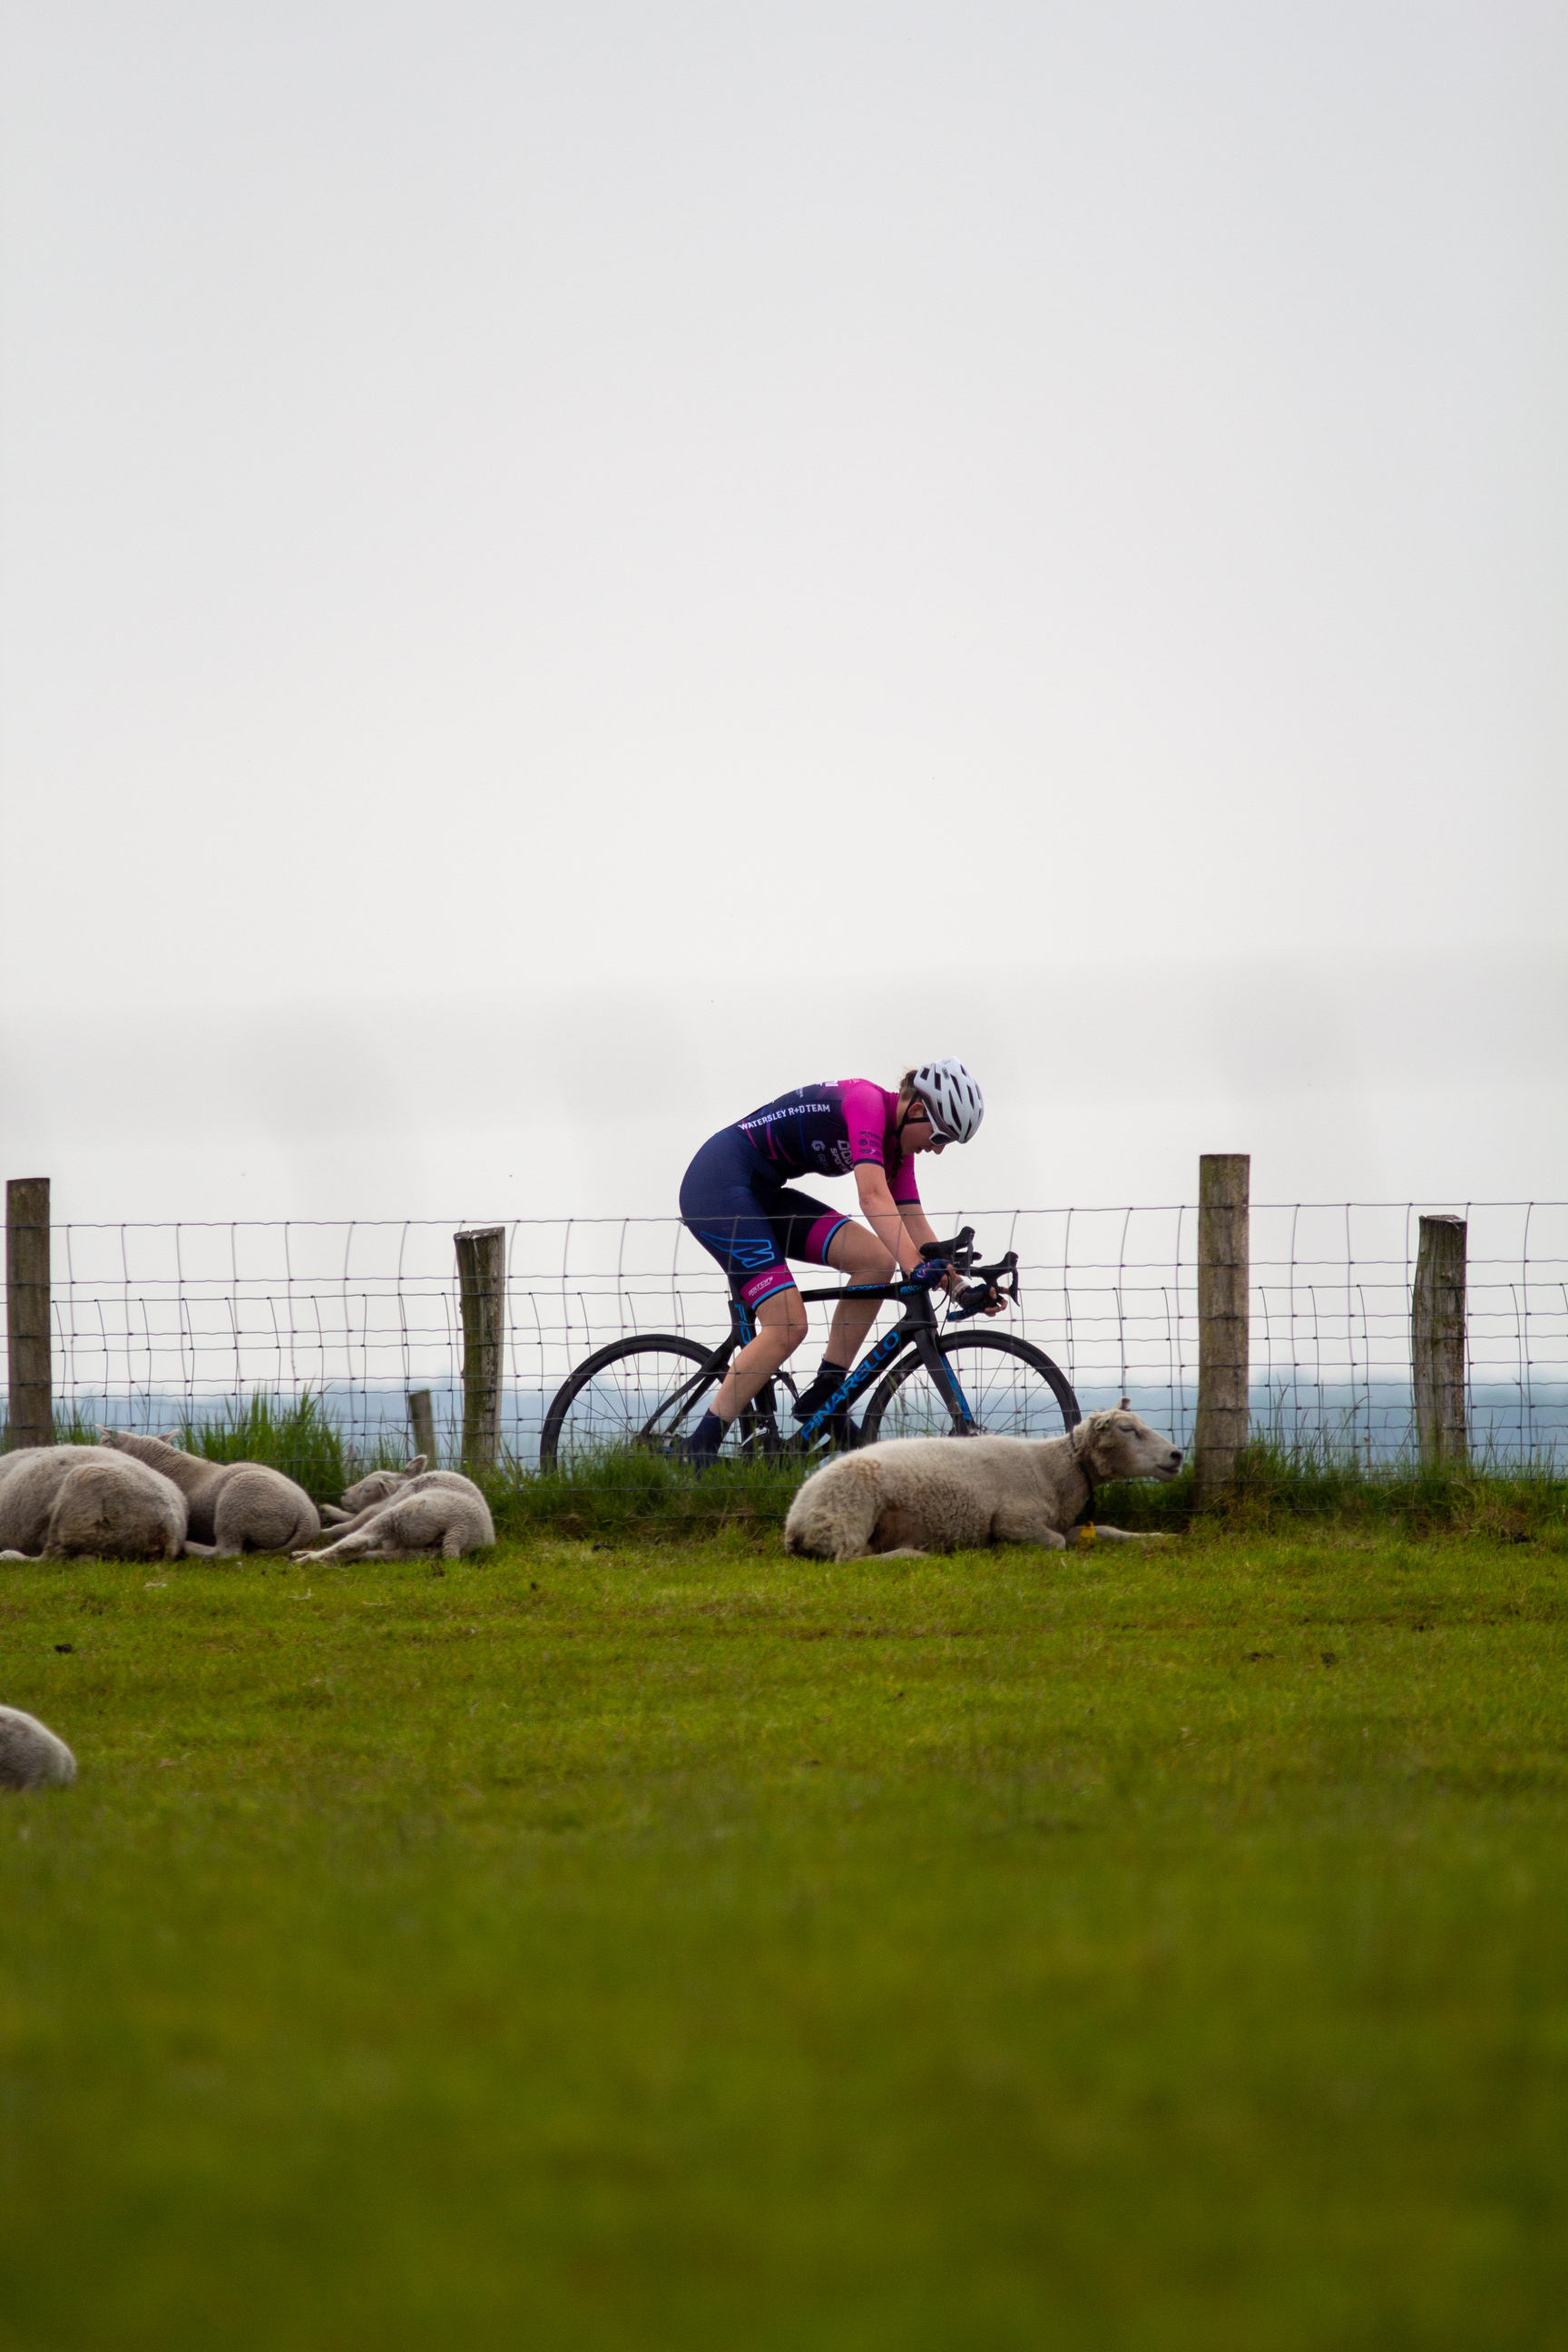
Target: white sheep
x,y
950,1493
377,1487
67,1502
31,1755
404,1513
233,1506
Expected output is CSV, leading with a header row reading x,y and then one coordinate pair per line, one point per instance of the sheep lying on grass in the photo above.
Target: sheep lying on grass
x,y
233,1506
71,1502
31,1755
372,1493
951,1493
401,1514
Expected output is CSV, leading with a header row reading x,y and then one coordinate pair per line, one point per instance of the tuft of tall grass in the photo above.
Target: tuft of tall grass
x,y
1280,1485
624,1495
72,1428
296,1438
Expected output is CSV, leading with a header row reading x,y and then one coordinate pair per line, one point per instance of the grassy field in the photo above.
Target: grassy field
x,y
673,1946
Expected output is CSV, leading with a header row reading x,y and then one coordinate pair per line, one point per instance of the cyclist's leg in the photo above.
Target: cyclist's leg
x,y
855,1251
780,1327
727,1214
827,1237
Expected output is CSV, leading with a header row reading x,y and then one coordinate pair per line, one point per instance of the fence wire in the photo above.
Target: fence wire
x,y
154,1324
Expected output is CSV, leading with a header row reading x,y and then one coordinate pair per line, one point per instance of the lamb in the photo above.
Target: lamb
x,y
67,1502
233,1506
943,1494
372,1493
403,1513
31,1755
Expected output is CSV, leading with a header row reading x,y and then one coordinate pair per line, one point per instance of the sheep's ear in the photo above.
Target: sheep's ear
x,y
1125,1406
170,1437
103,1431
412,1469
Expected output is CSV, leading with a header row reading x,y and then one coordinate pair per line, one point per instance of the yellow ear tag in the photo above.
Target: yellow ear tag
x,y
1086,1534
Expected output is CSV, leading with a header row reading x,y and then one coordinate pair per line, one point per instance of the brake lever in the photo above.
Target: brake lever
x,y
999,1282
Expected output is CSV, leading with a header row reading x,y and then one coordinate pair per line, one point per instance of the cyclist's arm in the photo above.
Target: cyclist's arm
x,y
917,1226
916,1231
901,1230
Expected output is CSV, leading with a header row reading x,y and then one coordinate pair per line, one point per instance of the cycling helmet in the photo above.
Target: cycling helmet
x,y
951,1096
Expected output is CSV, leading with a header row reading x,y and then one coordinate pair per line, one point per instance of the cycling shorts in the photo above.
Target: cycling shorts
x,y
750,1222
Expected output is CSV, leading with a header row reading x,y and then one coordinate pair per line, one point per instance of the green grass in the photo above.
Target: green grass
x,y
631,1495
628,1494
674,1946
1277,1488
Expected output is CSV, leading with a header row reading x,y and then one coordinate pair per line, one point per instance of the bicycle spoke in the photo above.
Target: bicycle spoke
x,y
648,1393
1006,1387
635,1395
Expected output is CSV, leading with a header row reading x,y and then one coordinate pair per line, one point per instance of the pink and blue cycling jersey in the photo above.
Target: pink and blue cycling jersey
x,y
826,1130
737,1198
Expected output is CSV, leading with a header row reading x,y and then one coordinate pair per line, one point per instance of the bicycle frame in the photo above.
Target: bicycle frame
x,y
916,1327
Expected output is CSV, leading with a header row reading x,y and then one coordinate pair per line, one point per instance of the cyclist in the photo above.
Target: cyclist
x,y
738,1202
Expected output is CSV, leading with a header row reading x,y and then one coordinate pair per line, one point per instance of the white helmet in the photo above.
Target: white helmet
x,y
951,1096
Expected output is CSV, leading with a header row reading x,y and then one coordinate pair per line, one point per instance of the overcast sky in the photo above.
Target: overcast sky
x,y
567,567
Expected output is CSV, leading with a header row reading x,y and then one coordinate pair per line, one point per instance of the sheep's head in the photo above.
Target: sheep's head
x,y
130,1441
1118,1445
380,1486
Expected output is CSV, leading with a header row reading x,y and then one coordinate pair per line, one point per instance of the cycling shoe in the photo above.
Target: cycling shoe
x,y
812,1398
697,1460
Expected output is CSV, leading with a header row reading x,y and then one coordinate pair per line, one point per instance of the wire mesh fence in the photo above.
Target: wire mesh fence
x,y
157,1323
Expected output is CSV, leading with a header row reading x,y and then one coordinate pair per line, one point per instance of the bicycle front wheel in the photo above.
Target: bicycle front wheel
x,y
1011,1389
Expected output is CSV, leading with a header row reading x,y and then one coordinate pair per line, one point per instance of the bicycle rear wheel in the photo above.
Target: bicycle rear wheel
x,y
1012,1390
649,1391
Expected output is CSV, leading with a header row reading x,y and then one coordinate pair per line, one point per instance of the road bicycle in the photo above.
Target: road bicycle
x,y
652,1391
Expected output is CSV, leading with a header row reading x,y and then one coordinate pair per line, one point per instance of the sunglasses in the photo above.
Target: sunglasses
x,y
940,1137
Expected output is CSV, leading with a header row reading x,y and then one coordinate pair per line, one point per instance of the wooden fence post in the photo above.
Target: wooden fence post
x,y
481,1279
28,1310
1224,1270
1437,1344
422,1421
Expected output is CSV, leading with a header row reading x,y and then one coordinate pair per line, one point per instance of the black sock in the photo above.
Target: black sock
x,y
709,1434
838,1372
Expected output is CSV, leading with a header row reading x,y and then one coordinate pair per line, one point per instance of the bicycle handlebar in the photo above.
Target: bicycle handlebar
x,y
960,1251
991,1281
1000,1280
